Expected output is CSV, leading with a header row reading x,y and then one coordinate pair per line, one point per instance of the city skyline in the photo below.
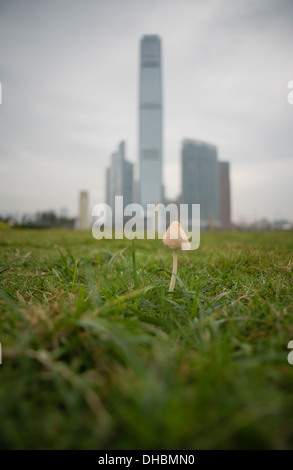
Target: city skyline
x,y
70,93
204,180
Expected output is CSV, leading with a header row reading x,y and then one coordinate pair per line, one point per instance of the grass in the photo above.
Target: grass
x,y
98,355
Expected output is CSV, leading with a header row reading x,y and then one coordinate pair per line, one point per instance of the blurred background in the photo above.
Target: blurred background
x,y
70,74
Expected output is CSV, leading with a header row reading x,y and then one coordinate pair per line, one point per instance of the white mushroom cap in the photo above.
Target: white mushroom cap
x,y
176,238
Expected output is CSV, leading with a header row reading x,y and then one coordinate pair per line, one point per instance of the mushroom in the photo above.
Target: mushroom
x,y
175,238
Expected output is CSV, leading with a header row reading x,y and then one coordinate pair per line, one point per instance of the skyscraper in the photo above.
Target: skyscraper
x,y
119,178
224,194
200,179
150,121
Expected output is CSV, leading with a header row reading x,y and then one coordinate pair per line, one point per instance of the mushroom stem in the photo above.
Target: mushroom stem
x,y
174,271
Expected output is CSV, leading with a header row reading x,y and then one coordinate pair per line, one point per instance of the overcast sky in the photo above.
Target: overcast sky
x,y
69,73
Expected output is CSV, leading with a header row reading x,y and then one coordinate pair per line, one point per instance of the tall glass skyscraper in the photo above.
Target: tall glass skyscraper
x,y
150,121
200,179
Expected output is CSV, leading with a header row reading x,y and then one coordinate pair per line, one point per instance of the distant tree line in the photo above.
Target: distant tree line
x,y
41,219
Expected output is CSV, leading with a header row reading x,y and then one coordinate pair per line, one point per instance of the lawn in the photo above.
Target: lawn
x,y
96,354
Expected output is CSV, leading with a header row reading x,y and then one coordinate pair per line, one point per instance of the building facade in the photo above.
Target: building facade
x,y
150,121
224,194
199,165
119,178
83,220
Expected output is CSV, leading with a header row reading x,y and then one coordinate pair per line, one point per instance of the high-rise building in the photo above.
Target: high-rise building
x,y
83,221
199,162
150,121
119,178
224,194
108,186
